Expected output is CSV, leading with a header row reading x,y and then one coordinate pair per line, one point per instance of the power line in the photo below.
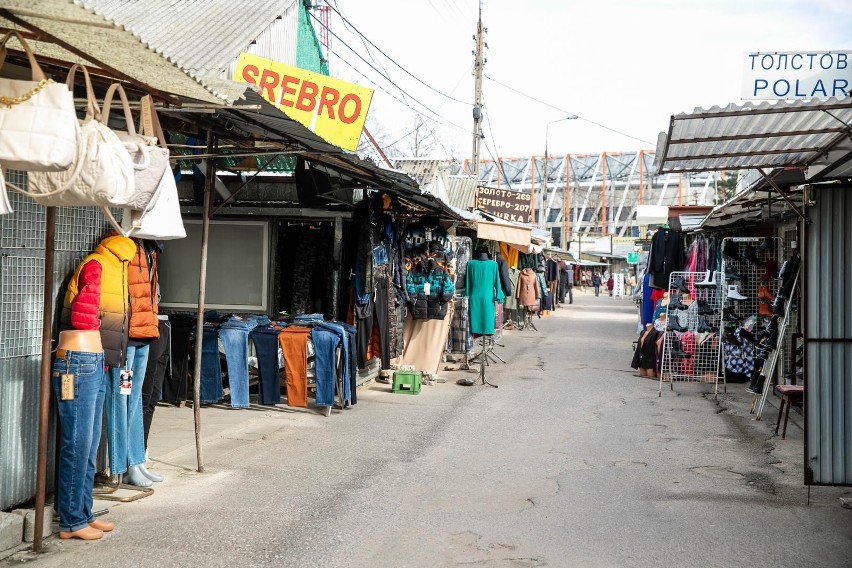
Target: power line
x,y
567,112
392,60
373,67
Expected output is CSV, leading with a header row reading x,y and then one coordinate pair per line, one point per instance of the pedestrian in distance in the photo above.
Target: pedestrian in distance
x,y
610,284
596,282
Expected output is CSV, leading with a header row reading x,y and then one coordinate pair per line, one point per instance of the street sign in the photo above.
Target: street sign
x,y
632,257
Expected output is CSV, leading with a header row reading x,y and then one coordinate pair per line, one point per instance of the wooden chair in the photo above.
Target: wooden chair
x,y
790,394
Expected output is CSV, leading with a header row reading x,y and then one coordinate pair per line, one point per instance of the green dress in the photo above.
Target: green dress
x,y
482,285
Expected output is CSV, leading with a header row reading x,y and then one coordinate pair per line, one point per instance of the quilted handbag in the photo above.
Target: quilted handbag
x,y
102,173
38,123
150,162
5,206
161,220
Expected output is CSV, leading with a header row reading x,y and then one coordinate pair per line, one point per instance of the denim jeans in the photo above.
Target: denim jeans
x,y
80,433
346,333
325,346
266,345
125,430
234,335
211,368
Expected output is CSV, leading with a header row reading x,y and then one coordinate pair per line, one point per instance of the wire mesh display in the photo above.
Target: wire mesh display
x,y
690,350
21,293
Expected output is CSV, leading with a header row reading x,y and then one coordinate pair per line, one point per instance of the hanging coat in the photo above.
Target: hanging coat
x,y
527,292
483,288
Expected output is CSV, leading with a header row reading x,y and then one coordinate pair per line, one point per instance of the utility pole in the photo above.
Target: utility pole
x,y
477,104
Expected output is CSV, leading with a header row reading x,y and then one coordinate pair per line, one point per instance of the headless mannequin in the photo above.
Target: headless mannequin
x,y
481,255
87,342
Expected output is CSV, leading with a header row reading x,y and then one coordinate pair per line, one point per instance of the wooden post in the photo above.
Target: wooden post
x,y
44,382
209,185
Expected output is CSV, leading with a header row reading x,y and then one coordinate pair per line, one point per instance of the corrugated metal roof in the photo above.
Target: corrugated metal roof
x,y
201,37
765,135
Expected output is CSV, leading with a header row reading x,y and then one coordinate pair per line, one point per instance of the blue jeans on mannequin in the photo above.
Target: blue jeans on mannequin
x,y
125,430
211,367
80,433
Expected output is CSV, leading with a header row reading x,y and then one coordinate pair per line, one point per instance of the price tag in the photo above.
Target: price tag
x,y
125,378
67,390
428,235
426,288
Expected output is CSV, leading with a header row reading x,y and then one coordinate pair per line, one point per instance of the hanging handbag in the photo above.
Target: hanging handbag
x,y
102,173
5,206
38,123
161,221
150,161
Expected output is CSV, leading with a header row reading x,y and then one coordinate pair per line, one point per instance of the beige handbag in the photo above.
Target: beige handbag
x,y
5,206
102,173
150,161
38,123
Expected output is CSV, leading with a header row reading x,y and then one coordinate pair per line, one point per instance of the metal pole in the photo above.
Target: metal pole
x,y
477,104
566,202
209,180
44,384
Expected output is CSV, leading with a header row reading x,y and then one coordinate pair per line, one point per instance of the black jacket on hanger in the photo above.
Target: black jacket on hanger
x,y
666,256
551,272
503,271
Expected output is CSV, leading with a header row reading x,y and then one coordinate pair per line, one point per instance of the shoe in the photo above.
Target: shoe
x,y
730,250
750,255
734,294
730,315
778,306
705,309
676,304
731,274
709,280
677,351
772,340
757,380
672,326
765,245
703,326
764,295
679,284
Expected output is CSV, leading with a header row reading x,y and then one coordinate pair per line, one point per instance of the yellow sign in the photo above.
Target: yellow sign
x,y
332,109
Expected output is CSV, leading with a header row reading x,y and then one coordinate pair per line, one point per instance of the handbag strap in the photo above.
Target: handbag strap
x,y
128,116
93,111
150,122
38,74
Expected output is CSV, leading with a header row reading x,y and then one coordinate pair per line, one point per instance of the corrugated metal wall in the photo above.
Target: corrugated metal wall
x,y
21,296
278,42
828,300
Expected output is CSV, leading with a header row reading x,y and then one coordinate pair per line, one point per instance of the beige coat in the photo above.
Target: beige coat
x,y
527,290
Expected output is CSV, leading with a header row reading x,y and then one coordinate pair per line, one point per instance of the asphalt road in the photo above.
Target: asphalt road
x,y
572,461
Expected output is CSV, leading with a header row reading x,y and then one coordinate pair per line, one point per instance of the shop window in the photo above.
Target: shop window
x,y
237,267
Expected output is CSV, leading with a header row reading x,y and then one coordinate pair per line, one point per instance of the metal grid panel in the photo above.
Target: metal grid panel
x,y
691,346
80,228
21,293
24,229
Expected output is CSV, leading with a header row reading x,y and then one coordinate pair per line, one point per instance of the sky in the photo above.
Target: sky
x,y
623,67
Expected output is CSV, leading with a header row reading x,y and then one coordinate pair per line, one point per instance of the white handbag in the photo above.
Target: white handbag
x,y
38,123
102,173
161,220
5,206
150,161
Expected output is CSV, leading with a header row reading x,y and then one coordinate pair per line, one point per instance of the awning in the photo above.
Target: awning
x,y
750,207
514,235
783,134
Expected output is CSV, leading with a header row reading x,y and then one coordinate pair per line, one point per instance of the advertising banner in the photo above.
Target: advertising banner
x,y
332,109
505,204
797,75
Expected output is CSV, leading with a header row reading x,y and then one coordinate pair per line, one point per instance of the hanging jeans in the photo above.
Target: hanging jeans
x,y
234,335
159,366
266,346
211,368
174,385
325,351
346,333
80,422
125,430
294,345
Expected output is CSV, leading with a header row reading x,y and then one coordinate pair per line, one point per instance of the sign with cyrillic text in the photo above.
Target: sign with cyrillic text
x,y
505,204
797,75
332,109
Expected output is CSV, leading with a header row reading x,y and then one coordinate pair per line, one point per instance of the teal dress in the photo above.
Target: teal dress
x,y
482,285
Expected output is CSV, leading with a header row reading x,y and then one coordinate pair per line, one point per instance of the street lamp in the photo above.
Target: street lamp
x,y
544,180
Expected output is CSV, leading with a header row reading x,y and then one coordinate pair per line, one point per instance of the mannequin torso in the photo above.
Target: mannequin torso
x,y
88,341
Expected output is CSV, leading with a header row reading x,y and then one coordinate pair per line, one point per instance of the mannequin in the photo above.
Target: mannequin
x,y
483,287
79,383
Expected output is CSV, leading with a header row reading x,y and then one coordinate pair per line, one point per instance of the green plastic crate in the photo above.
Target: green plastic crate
x,y
407,382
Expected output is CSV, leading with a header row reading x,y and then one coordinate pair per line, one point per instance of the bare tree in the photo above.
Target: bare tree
x,y
421,140
380,134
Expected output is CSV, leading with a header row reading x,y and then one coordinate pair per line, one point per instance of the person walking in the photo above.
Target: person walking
x,y
610,284
568,282
596,282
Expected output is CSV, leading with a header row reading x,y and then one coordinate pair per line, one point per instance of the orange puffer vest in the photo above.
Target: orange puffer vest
x,y
142,281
